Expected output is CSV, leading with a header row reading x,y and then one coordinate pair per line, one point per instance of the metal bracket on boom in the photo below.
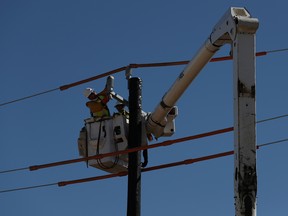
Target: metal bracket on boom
x,y
234,21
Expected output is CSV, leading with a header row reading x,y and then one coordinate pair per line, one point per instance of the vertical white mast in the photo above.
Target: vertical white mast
x,y
245,182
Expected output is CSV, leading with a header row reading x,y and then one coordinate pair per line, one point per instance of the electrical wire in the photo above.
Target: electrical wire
x,y
27,188
67,86
140,148
273,118
164,143
274,142
278,50
100,156
148,169
189,161
14,170
30,96
163,166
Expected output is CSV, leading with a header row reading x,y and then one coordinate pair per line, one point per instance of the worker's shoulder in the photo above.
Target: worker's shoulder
x,y
90,103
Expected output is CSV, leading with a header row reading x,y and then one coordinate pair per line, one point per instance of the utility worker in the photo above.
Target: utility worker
x,y
120,108
98,103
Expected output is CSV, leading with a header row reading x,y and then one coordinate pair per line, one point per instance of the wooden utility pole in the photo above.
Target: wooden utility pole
x,y
134,140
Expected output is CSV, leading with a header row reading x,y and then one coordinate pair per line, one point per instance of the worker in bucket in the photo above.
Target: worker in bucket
x,y
120,108
97,102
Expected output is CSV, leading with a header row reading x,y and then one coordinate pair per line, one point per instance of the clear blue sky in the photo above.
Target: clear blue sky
x,y
46,44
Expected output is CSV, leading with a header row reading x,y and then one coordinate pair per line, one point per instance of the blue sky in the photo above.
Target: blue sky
x,y
47,44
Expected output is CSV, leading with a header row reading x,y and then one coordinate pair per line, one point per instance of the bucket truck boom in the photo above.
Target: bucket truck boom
x,y
237,28
235,21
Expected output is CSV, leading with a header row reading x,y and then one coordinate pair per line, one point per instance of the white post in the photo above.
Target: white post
x,y
245,177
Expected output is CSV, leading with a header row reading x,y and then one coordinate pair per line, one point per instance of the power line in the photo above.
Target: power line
x,y
148,169
273,118
14,170
100,156
30,96
27,188
65,87
278,50
164,166
161,144
274,142
165,64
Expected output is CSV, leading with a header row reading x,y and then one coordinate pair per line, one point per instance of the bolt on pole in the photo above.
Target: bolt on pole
x,y
134,140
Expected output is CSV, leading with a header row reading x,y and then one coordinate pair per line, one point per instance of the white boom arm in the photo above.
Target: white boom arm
x,y
238,28
155,121
225,31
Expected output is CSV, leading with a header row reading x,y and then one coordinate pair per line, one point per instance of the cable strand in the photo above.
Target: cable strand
x,y
278,50
164,143
273,142
14,170
30,96
124,173
28,188
67,86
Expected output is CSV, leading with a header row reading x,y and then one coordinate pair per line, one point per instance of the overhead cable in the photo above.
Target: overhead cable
x,y
30,96
153,168
14,170
274,142
65,87
164,143
140,148
277,50
120,174
164,166
117,70
273,118
27,188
